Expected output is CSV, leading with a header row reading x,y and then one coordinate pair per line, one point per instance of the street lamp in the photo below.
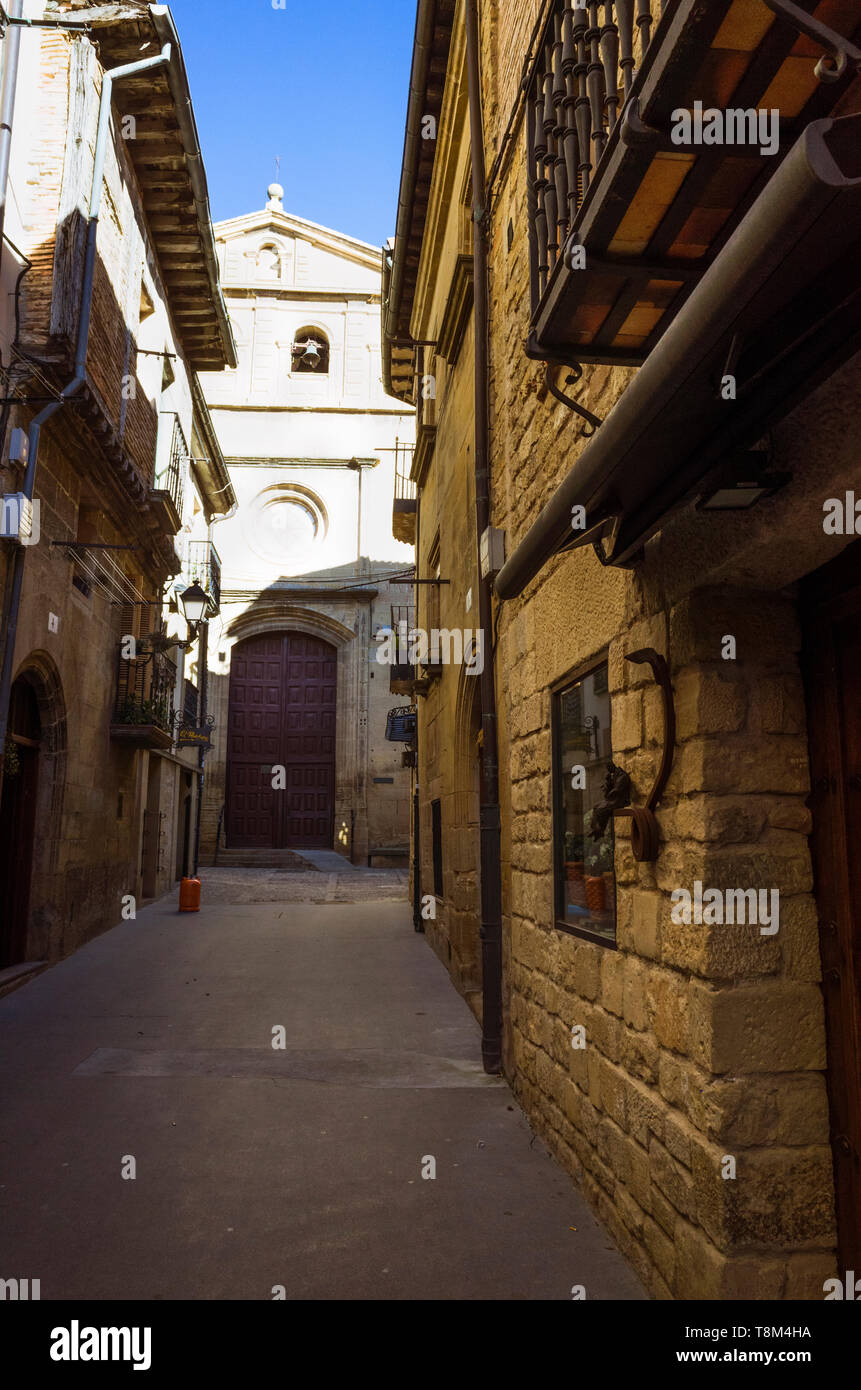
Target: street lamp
x,y
194,602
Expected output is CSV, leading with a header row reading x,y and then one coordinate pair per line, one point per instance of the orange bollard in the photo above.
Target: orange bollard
x,y
189,895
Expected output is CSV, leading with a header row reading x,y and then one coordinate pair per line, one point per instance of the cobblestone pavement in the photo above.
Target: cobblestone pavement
x,y
348,885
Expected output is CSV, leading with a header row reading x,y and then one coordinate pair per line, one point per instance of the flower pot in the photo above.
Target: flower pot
x,y
573,869
596,894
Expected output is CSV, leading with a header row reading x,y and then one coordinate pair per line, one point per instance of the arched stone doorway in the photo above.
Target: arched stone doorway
x,y
30,814
281,714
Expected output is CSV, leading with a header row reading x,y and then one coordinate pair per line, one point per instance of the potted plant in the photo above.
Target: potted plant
x,y
598,859
573,865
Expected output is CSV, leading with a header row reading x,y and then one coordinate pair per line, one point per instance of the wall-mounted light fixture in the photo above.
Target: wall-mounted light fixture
x,y
746,480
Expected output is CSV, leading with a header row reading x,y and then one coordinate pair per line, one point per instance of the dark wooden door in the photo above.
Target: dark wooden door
x,y
18,821
832,612
17,826
282,714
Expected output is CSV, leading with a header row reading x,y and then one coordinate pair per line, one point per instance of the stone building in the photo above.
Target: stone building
x,y
313,444
672,403
114,306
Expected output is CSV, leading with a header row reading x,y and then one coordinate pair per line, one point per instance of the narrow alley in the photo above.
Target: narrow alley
x,y
257,1166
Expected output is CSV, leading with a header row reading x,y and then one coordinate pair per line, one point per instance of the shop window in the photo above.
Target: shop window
x,y
585,882
436,825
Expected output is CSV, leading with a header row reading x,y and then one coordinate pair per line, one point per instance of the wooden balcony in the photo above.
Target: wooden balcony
x,y
605,174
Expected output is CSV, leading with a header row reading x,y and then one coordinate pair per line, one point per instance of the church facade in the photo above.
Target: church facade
x,y
310,569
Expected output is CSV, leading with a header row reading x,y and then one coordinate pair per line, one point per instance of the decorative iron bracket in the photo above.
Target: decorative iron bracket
x,y
575,370
645,831
840,50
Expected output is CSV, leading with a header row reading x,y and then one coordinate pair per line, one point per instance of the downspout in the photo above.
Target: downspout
x,y
109,78
418,923
491,868
203,658
7,104
203,662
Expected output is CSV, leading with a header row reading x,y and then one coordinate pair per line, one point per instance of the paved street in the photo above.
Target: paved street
x,y
258,1167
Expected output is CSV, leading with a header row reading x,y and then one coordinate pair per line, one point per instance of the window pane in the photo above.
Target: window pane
x,y
436,821
586,887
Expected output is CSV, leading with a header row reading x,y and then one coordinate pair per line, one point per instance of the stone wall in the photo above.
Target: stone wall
x,y
702,1043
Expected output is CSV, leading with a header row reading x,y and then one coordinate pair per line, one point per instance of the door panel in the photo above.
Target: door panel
x,y
282,712
832,616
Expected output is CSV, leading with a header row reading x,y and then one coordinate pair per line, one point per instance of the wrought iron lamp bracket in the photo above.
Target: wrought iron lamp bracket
x,y
575,373
645,831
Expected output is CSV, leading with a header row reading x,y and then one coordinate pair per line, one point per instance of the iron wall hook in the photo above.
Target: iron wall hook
x,y
645,831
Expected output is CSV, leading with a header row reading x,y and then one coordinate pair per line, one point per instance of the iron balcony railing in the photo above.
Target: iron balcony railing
x,y
203,567
578,86
402,671
145,690
405,488
170,480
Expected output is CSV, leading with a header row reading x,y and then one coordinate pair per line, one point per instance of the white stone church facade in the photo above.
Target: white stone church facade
x,y
308,559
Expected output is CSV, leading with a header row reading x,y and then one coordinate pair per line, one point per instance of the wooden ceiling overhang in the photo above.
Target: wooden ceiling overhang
x,y
657,214
168,165
434,23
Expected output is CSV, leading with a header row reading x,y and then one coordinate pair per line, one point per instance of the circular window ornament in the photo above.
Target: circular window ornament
x,y
285,524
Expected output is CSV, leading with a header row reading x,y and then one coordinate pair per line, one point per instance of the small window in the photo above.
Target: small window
x,y
436,823
311,351
269,263
585,879
432,595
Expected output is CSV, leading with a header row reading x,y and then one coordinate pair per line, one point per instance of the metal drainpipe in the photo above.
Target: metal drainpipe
x,y
418,922
109,78
203,662
491,870
7,104
204,687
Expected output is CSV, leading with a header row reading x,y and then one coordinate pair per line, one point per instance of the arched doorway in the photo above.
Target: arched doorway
x,y
18,820
282,708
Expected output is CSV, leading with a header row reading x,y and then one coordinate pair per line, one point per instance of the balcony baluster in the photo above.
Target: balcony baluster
x,y
610,59
540,150
549,120
584,122
581,77
572,156
644,22
560,170
595,82
625,16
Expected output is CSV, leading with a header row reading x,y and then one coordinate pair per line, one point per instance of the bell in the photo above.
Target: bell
x,y
310,355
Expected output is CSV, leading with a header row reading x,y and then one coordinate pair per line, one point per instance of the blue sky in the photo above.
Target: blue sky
x,y
322,85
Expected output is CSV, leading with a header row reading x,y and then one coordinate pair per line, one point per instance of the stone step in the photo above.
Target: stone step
x,y
262,859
